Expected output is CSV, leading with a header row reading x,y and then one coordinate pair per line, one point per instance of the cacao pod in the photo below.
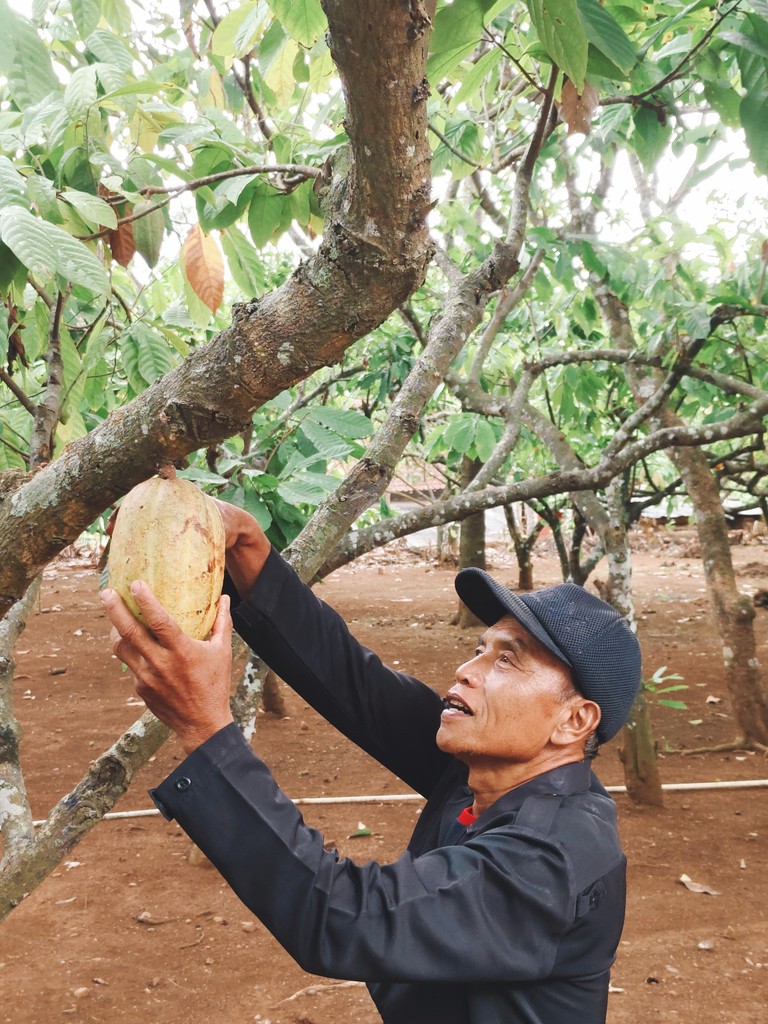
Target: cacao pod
x,y
170,535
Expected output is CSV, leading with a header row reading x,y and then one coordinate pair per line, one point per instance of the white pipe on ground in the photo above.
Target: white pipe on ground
x,y
406,798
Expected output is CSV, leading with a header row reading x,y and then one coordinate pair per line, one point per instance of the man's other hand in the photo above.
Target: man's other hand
x,y
184,682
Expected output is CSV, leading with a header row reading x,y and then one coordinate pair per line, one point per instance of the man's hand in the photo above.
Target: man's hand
x,y
184,682
247,547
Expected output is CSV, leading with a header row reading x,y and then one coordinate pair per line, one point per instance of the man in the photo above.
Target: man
x,y
508,904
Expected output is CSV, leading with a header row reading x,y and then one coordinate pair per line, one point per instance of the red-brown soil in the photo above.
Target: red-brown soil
x,y
129,930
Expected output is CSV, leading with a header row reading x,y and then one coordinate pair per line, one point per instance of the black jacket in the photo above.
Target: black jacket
x,y
512,920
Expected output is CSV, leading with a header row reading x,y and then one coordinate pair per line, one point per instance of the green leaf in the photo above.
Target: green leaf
x,y
81,92
347,422
678,705
485,440
31,77
650,136
148,231
458,28
29,240
9,268
459,434
86,14
753,112
92,209
562,35
475,78
202,476
146,355
117,13
46,250
328,444
306,488
77,263
605,33
237,32
244,262
13,186
280,78
42,194
109,49
251,502
303,20
265,214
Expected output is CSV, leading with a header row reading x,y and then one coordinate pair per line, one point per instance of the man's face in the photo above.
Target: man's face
x,y
507,699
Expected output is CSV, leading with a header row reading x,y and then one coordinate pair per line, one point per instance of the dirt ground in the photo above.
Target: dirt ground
x,y
130,930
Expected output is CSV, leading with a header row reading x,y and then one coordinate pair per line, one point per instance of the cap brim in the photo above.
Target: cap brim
x,y
489,601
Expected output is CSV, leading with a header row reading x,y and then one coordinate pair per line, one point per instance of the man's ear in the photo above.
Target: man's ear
x,y
580,719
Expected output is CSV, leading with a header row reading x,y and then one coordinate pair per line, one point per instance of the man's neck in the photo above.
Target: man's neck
x,y
489,781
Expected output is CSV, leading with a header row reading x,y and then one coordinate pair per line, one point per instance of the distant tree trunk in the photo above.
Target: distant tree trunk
x,y
576,570
638,749
471,542
273,699
524,542
734,612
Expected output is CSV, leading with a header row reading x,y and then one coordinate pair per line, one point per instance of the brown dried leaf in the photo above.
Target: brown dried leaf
x,y
204,267
121,244
120,240
697,886
578,109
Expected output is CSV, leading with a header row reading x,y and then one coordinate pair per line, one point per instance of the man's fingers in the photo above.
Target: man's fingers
x,y
222,626
165,629
122,618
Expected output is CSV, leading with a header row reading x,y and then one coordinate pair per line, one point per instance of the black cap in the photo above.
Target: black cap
x,y
590,636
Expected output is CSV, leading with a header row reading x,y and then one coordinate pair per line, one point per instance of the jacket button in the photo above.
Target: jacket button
x,y
182,784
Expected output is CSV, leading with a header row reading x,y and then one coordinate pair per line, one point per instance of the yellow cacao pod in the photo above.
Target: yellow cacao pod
x,y
170,535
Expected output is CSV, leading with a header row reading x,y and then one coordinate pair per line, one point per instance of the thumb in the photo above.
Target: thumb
x,y
165,629
221,631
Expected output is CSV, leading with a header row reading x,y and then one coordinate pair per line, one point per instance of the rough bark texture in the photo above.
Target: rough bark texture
x,y
471,541
734,611
15,813
375,252
638,748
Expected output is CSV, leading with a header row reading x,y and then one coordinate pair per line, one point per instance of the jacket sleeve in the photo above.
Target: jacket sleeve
x,y
390,715
493,909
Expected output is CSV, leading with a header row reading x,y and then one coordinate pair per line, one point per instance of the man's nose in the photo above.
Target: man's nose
x,y
469,672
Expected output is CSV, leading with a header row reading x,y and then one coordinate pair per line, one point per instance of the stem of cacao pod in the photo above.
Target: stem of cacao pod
x,y
167,472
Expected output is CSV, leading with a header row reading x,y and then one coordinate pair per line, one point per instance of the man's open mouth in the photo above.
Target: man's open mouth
x,y
453,703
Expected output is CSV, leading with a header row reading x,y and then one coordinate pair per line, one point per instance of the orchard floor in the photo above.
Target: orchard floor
x,y
129,930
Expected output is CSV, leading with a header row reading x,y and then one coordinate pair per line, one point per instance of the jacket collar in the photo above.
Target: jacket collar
x,y
565,780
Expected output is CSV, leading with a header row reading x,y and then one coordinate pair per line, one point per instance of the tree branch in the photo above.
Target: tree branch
x,y
460,506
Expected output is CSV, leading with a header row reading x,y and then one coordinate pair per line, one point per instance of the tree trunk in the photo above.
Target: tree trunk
x,y
523,545
638,755
638,748
471,542
734,611
273,699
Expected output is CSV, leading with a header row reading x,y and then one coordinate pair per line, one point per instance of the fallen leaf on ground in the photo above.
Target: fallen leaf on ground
x,y
697,886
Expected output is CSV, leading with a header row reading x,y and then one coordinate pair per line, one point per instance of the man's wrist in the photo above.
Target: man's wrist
x,y
191,739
